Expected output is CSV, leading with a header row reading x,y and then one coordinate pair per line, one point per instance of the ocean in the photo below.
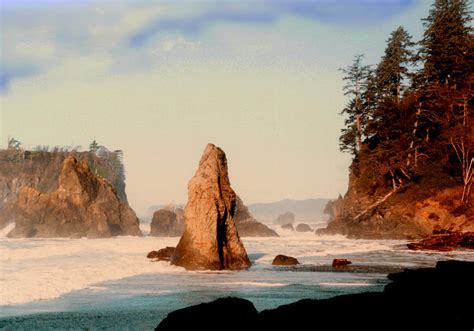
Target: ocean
x,y
109,284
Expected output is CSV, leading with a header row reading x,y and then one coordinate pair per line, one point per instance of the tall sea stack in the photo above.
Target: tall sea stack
x,y
210,239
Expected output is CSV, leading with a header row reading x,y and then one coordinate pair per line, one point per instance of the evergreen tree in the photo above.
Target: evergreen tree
x,y
392,73
356,77
446,47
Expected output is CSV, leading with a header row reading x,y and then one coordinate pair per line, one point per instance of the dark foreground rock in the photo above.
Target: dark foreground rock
x,y
231,314
446,241
337,263
84,205
210,239
423,299
163,254
284,260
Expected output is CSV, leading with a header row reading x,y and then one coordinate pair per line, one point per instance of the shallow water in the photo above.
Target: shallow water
x,y
109,283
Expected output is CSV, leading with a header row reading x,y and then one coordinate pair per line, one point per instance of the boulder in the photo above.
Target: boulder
x,y
167,222
210,239
231,314
288,227
163,254
303,228
284,260
337,263
247,225
83,205
286,218
445,241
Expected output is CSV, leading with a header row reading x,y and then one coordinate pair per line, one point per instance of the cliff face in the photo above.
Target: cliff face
x,y
40,170
430,203
83,205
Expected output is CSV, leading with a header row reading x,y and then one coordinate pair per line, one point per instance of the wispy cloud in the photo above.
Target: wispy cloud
x,y
342,12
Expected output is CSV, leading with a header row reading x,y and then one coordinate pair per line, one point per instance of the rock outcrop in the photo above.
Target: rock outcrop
x,y
302,227
445,241
210,239
163,254
83,205
288,227
247,225
424,299
40,170
286,218
337,263
284,260
370,210
167,222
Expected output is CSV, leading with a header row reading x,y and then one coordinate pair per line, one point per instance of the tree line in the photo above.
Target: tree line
x,y
414,106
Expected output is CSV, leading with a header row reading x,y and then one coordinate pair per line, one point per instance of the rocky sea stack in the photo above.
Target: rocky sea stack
x,y
83,205
210,239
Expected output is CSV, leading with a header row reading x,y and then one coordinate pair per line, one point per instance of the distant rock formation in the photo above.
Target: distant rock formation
x,y
167,222
286,218
303,228
288,227
83,205
210,239
285,260
247,225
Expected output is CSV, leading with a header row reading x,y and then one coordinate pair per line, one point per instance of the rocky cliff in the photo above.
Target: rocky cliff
x,y
210,239
40,170
370,209
83,204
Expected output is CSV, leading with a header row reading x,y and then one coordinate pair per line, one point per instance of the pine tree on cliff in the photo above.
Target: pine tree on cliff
x,y
446,47
356,77
388,127
445,88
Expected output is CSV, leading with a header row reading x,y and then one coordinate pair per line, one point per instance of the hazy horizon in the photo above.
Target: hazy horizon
x,y
161,80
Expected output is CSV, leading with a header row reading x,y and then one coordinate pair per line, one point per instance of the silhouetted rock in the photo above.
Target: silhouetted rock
x,y
210,239
167,222
231,314
337,263
284,260
83,205
163,254
445,241
286,218
303,228
247,225
424,299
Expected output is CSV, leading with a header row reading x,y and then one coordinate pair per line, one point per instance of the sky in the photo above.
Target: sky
x,y
161,79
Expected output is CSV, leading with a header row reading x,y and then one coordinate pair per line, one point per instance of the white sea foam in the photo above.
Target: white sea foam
x,y
40,269
257,284
346,284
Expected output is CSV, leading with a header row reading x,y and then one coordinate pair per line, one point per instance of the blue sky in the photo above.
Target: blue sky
x,y
161,79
